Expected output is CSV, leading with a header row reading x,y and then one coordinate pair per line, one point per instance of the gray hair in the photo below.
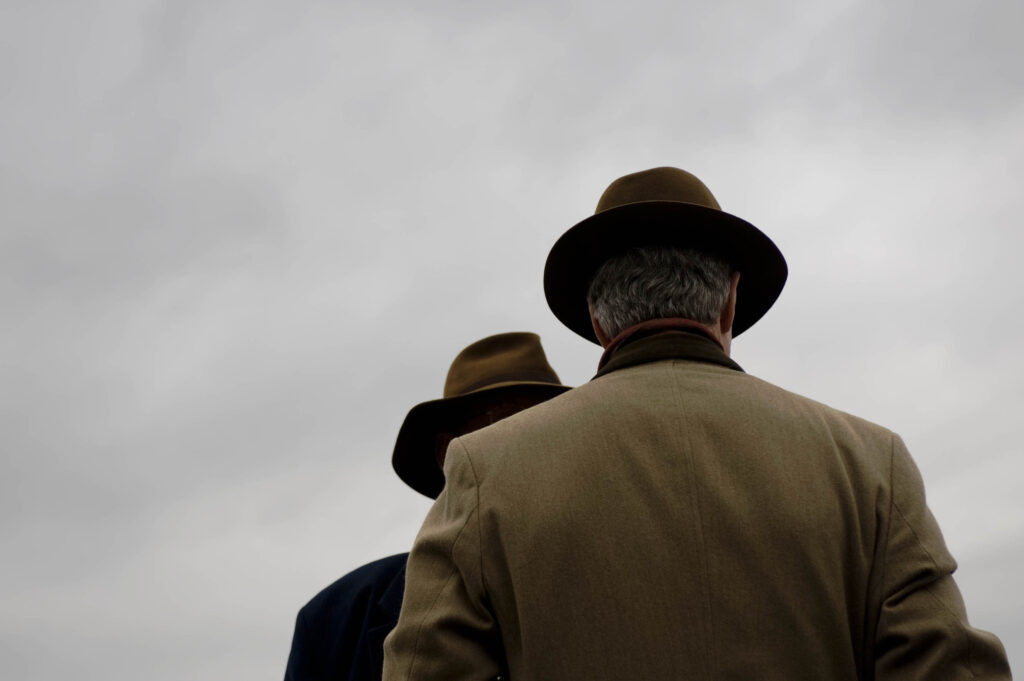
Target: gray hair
x,y
655,283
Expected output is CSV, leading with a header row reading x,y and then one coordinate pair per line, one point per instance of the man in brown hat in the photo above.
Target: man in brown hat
x,y
676,518
339,634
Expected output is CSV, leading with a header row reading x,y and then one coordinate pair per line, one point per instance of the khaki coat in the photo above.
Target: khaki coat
x,y
676,518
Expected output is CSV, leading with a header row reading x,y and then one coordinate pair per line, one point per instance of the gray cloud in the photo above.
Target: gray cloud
x,y
238,241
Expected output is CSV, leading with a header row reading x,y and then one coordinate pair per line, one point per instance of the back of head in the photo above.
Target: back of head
x,y
671,209
643,284
489,380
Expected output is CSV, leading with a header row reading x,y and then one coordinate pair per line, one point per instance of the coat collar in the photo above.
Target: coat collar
x,y
664,342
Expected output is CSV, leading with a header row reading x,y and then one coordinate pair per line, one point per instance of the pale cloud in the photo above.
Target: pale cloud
x,y
239,240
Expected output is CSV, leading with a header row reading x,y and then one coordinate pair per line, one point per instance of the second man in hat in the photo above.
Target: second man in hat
x,y
339,634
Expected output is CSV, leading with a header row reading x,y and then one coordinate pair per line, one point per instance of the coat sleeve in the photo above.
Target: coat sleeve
x,y
297,657
446,631
923,632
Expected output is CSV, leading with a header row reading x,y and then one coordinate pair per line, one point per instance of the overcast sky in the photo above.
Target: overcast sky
x,y
239,240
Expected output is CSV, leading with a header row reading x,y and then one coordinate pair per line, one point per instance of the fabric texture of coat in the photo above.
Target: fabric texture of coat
x,y
676,518
339,634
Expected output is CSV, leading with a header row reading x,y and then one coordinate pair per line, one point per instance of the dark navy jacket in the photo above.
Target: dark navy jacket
x,y
339,634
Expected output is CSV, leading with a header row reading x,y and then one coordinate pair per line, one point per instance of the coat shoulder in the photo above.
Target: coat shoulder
x,y
333,630
361,585
836,418
661,390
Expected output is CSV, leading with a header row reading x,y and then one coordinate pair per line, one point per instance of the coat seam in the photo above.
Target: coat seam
x,y
883,578
708,624
447,581
945,607
888,529
479,527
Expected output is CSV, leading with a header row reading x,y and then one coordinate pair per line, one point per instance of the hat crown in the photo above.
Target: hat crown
x,y
657,184
496,360
661,208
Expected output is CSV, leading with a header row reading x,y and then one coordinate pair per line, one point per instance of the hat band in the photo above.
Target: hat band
x,y
524,376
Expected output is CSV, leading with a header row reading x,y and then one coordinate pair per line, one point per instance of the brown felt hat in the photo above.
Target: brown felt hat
x,y
661,207
487,373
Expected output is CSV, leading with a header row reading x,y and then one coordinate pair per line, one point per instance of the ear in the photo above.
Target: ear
x,y
729,311
602,337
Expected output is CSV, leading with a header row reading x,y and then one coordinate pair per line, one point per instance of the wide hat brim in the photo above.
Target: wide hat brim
x,y
414,456
576,256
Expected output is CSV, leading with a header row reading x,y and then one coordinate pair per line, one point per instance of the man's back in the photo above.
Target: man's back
x,y
681,519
